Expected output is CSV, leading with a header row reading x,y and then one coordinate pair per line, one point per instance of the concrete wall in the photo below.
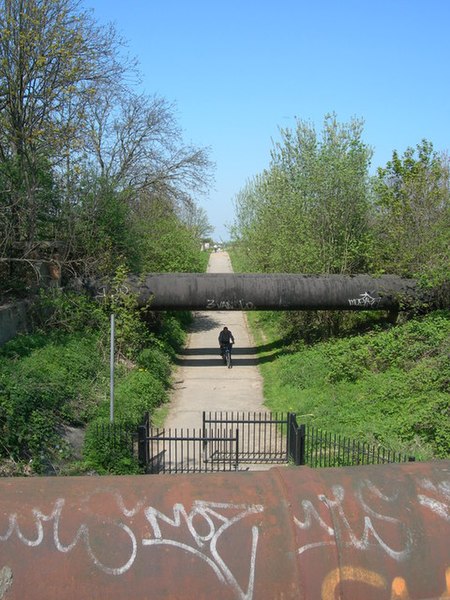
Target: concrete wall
x,y
13,320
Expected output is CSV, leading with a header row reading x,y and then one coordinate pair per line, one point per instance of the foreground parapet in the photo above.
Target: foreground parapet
x,y
373,532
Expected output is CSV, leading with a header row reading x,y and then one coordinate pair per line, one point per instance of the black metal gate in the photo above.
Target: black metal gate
x,y
227,441
188,451
263,436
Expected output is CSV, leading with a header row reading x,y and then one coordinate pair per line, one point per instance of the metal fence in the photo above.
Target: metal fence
x,y
323,449
188,451
117,437
229,441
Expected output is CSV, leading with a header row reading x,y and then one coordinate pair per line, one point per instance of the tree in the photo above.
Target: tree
x,y
412,220
164,242
136,144
196,220
52,59
81,155
309,211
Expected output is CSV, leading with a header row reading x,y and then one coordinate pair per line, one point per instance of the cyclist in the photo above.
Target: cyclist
x,y
226,340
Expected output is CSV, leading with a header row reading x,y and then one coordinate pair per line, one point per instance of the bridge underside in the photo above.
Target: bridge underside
x,y
254,291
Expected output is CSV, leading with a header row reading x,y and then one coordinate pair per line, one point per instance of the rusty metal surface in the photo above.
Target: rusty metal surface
x,y
352,533
262,291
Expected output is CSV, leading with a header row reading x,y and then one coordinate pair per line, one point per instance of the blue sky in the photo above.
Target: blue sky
x,y
238,71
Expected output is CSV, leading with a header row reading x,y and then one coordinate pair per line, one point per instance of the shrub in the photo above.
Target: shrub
x,y
172,333
68,312
138,393
108,448
156,362
54,383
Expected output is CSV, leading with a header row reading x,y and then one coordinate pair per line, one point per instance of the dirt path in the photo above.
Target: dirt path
x,y
202,381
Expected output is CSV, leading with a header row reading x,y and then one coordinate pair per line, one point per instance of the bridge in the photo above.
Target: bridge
x,y
371,532
280,291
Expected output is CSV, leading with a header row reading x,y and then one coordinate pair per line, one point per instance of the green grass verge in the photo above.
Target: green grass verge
x,y
388,387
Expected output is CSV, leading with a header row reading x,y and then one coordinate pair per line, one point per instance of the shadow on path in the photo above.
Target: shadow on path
x,y
244,356
203,322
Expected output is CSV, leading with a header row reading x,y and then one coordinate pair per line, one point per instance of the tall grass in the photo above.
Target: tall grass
x,y
389,386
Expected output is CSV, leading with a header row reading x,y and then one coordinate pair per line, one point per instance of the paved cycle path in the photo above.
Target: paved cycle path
x,y
202,381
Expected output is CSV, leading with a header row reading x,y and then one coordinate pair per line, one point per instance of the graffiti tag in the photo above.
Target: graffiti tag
x,y
212,304
365,299
205,522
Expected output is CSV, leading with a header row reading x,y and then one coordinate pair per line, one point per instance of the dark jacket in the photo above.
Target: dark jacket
x,y
226,337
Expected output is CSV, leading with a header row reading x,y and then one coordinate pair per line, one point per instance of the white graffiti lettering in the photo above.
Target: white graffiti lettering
x,y
204,545
341,529
212,304
365,299
82,534
440,507
209,511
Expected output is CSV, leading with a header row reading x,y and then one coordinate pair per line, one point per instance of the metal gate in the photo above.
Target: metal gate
x,y
188,451
263,437
232,441
227,441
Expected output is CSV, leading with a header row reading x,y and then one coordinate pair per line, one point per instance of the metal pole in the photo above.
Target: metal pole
x,y
111,372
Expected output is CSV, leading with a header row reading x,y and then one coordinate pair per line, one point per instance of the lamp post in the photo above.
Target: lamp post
x,y
111,371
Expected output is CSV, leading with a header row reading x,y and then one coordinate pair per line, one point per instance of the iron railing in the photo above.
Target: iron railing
x,y
188,450
229,439
324,449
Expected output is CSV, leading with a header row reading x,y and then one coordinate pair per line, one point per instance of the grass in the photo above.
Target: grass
x,y
389,387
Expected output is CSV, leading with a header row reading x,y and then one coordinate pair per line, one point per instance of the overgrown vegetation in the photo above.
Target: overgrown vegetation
x,y
390,385
95,181
316,209
58,378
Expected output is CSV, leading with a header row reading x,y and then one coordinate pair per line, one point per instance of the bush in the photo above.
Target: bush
x,y
172,333
68,312
108,448
390,387
55,383
156,362
138,393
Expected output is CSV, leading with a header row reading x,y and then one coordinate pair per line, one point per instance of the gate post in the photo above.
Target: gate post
x,y
205,439
143,450
296,440
291,437
301,438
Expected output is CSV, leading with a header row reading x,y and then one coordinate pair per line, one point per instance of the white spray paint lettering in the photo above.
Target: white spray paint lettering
x,y
340,528
204,546
441,506
209,511
365,299
241,304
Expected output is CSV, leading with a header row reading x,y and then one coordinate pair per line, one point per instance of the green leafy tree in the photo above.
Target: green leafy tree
x,y
412,222
52,58
165,243
309,211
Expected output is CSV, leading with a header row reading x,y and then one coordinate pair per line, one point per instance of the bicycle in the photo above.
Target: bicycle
x,y
226,355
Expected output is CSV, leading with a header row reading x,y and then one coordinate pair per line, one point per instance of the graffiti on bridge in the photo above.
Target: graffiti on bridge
x,y
365,299
351,523
212,304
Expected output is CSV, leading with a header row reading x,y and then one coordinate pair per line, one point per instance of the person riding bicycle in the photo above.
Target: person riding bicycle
x,y
226,340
